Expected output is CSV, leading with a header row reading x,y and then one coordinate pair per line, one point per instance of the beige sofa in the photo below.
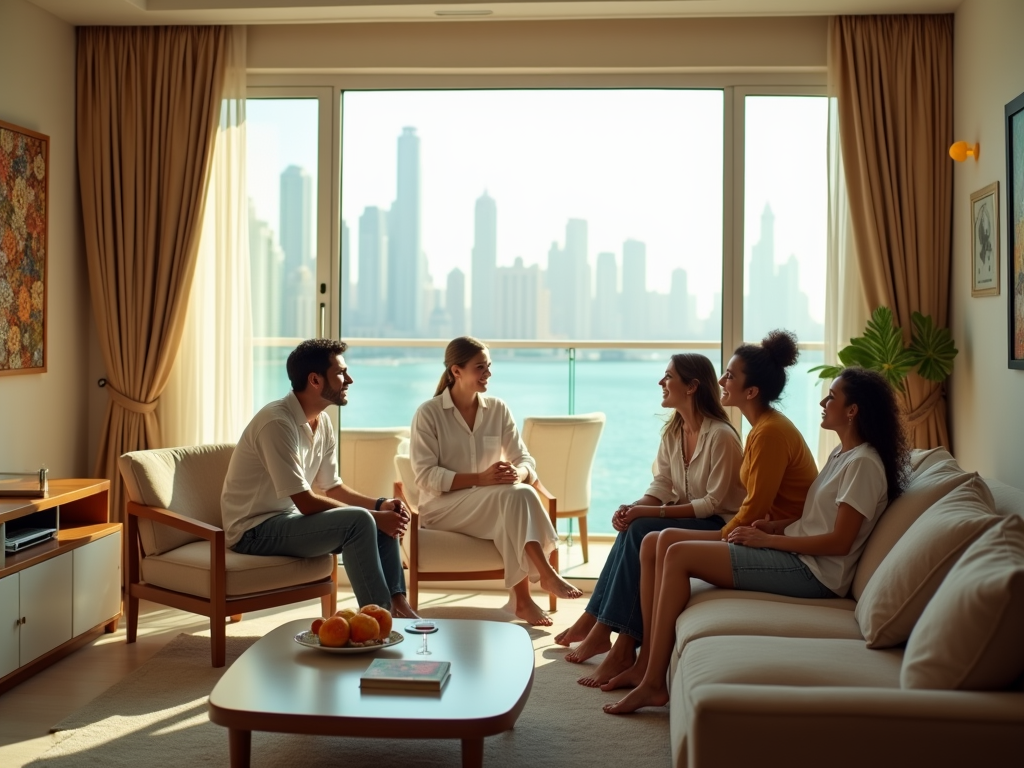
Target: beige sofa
x,y
913,669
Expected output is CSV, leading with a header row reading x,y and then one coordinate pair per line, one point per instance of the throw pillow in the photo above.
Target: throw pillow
x,y
905,581
925,488
971,635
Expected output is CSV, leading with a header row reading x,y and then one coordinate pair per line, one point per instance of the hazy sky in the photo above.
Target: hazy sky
x,y
642,164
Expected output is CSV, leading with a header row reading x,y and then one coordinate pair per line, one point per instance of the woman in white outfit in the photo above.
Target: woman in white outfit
x,y
475,476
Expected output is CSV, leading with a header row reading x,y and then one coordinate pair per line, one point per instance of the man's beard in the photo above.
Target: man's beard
x,y
336,396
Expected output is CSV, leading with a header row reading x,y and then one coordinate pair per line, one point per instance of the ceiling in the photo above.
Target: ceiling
x,y
117,12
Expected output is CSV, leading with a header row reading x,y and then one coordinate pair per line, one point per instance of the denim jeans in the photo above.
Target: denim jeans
x,y
372,560
615,601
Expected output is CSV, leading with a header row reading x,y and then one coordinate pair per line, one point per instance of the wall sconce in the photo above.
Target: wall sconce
x,y
962,150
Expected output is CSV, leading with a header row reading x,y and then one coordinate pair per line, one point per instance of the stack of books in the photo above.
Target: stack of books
x,y
406,674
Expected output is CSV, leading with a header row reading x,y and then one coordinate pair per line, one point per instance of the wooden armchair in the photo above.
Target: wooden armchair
x,y
176,552
450,556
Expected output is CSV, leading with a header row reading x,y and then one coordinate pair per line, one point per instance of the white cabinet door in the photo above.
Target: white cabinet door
x,y
97,590
46,606
10,617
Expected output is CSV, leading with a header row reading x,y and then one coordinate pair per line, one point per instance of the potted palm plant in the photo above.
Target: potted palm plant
x,y
930,353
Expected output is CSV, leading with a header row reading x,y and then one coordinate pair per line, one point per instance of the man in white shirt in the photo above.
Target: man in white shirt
x,y
283,495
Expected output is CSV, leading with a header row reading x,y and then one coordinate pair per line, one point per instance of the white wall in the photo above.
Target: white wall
x,y
44,417
987,398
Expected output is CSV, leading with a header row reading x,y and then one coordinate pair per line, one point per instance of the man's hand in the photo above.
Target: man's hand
x,y
499,473
393,518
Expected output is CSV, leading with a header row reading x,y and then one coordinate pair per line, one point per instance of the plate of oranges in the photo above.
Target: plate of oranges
x,y
351,631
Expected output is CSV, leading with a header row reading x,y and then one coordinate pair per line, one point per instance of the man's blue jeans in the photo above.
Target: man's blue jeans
x,y
372,560
615,601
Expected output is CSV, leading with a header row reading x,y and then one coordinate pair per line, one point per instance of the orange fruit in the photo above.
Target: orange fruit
x,y
363,628
315,628
383,617
334,632
346,613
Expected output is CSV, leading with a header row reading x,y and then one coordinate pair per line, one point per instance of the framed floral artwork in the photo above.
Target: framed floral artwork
x,y
1015,229
24,201
985,241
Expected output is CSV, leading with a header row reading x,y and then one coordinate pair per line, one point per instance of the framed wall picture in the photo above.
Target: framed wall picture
x,y
1015,229
985,241
24,205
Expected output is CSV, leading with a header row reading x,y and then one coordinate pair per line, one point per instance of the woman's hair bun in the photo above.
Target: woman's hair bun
x,y
781,345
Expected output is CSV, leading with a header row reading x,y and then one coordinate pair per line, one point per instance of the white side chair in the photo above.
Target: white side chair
x,y
564,449
367,461
450,556
176,551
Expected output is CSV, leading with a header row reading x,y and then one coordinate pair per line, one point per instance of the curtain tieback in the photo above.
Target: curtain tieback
x,y
923,411
131,405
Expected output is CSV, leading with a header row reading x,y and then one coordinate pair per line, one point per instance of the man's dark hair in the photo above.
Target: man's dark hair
x,y
312,356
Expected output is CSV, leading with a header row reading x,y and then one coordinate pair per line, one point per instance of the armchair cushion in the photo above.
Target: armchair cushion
x,y
187,569
185,480
447,551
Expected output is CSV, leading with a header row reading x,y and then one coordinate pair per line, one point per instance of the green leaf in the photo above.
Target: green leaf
x,y
826,371
931,349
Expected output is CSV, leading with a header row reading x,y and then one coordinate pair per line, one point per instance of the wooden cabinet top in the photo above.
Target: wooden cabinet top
x,y
61,491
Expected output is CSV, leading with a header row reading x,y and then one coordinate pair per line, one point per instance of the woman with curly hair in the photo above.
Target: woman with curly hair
x,y
813,557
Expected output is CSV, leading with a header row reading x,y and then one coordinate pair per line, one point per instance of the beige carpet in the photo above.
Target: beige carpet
x,y
156,716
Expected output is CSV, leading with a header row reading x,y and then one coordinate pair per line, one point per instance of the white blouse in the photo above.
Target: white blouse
x,y
712,481
442,445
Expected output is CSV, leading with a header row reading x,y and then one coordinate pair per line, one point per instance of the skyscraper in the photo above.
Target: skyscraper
x,y
347,307
373,270
634,290
406,268
485,261
297,244
519,302
455,301
607,318
568,276
266,268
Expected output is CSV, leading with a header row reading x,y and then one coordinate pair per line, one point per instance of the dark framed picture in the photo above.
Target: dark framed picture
x,y
985,241
1015,228
24,201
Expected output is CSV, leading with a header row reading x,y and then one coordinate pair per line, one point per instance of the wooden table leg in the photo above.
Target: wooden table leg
x,y
240,746
472,753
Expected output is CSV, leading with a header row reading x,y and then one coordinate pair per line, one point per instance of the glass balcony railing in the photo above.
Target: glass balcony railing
x,y
392,377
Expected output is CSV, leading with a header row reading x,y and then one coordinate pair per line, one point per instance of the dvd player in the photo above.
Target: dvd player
x,y
26,537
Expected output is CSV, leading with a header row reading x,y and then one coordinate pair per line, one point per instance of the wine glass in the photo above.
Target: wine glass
x,y
423,627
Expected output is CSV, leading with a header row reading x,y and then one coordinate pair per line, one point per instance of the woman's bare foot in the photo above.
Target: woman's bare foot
x,y
630,677
619,659
532,614
598,640
577,631
555,585
641,696
400,607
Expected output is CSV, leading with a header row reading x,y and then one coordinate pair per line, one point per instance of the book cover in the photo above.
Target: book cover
x,y
406,674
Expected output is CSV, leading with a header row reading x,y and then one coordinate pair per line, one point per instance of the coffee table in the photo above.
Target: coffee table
x,y
278,685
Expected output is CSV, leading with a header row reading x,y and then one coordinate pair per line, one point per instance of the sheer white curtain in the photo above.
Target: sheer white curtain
x,y
846,309
209,396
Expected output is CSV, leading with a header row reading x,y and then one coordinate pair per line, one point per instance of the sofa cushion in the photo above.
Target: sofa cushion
x,y
187,569
922,458
926,487
900,589
971,635
188,481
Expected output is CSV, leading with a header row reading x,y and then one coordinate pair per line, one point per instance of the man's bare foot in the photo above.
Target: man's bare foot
x,y
577,631
618,660
598,640
555,585
400,607
642,696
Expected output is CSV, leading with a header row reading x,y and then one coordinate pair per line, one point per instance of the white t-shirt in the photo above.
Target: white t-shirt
x,y
277,455
712,481
856,477
442,445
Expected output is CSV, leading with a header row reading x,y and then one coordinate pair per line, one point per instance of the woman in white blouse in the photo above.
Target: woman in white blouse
x,y
696,486
474,475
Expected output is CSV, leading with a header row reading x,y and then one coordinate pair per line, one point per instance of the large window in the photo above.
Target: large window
x,y
586,234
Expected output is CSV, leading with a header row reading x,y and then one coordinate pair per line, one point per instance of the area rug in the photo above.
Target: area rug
x,y
156,716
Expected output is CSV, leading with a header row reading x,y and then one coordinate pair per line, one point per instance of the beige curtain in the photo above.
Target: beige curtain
x,y
148,104
893,78
208,398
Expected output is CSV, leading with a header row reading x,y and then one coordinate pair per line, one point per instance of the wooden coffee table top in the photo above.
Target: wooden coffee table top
x,y
278,685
